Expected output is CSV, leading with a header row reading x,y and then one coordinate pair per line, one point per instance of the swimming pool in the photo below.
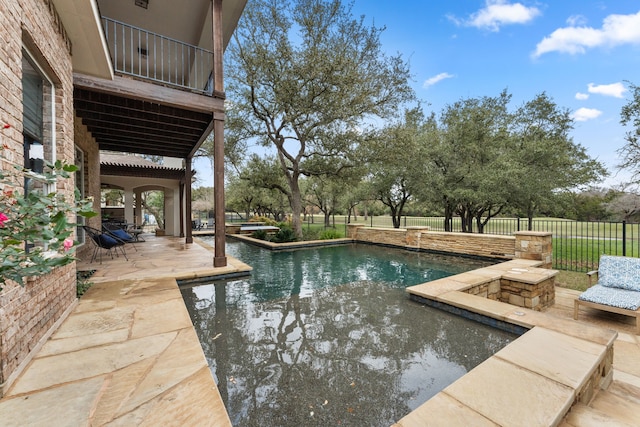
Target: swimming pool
x,y
328,336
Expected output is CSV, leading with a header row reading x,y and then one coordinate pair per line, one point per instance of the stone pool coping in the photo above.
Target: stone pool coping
x,y
533,381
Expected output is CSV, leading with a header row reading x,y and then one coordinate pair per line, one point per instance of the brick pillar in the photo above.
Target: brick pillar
x,y
534,245
352,230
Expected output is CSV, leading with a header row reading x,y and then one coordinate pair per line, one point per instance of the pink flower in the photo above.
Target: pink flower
x,y
68,243
3,218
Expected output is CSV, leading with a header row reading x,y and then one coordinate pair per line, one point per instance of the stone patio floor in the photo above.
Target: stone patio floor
x,y
128,354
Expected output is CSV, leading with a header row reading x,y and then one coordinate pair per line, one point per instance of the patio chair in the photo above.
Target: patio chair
x,y
104,241
116,230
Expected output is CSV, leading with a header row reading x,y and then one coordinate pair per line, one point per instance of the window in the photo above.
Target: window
x,y
38,118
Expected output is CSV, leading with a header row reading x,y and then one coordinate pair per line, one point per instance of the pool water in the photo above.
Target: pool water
x,y
328,336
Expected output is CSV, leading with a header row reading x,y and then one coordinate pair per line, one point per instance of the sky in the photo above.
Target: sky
x,y
582,53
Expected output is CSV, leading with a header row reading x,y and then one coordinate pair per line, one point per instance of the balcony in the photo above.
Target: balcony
x,y
149,56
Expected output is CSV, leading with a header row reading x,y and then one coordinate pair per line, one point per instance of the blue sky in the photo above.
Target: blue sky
x,y
580,52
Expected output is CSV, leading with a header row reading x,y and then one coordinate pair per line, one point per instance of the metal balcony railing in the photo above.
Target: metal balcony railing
x,y
140,53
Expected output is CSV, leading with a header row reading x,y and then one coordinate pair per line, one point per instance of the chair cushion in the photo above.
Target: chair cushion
x,y
619,272
106,241
614,297
122,235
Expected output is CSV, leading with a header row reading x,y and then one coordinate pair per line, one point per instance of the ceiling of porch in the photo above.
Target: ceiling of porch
x,y
138,126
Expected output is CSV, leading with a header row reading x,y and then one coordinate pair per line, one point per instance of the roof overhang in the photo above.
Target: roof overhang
x,y
81,20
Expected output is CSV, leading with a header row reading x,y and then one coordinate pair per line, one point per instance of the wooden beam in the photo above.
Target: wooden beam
x,y
150,92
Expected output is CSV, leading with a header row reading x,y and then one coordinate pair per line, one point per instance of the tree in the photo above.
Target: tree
x,y
153,201
304,77
397,168
468,153
630,116
202,200
545,159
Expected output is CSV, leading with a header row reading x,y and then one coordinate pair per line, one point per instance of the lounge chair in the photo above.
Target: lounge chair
x,y
104,241
617,289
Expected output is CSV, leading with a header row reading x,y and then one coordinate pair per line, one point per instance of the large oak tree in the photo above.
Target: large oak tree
x,y
305,77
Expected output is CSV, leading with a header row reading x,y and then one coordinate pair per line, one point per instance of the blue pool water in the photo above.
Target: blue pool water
x,y
328,336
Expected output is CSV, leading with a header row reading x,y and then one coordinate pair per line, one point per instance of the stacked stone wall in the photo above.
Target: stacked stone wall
x,y
484,245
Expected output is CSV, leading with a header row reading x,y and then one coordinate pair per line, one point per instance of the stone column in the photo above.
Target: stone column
x,y
128,205
352,230
535,245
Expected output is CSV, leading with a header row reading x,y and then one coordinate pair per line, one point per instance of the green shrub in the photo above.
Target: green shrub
x,y
82,282
330,233
259,234
310,234
286,234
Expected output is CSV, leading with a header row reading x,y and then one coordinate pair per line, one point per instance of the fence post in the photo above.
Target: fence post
x,y
405,221
624,238
518,224
371,220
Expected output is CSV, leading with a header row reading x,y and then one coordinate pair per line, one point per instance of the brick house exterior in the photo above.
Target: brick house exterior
x,y
56,65
28,314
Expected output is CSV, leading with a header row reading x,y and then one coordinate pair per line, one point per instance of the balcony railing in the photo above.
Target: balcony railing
x,y
140,53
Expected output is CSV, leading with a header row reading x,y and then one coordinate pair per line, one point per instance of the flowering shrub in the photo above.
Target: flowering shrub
x,y
34,231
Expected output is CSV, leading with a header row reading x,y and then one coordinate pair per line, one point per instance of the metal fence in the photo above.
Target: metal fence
x,y
577,245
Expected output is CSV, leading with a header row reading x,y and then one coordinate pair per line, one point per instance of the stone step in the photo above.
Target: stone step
x,y
619,405
585,416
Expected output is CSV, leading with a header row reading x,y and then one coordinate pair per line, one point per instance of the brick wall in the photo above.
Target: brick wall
x,y
85,141
27,314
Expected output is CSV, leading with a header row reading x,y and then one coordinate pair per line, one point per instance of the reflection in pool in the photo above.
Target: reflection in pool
x,y
328,336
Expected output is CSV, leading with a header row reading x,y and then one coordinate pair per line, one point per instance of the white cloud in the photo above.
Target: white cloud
x,y
616,30
497,13
582,96
577,20
435,79
584,114
616,90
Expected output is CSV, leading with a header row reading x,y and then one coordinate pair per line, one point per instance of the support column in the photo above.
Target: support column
x,y
219,259
187,202
138,217
128,205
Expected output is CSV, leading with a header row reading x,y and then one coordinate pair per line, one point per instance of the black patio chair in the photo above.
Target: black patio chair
x,y
104,241
117,231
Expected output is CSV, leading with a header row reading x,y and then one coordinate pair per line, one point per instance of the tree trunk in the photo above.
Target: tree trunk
x,y
327,218
295,200
395,217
